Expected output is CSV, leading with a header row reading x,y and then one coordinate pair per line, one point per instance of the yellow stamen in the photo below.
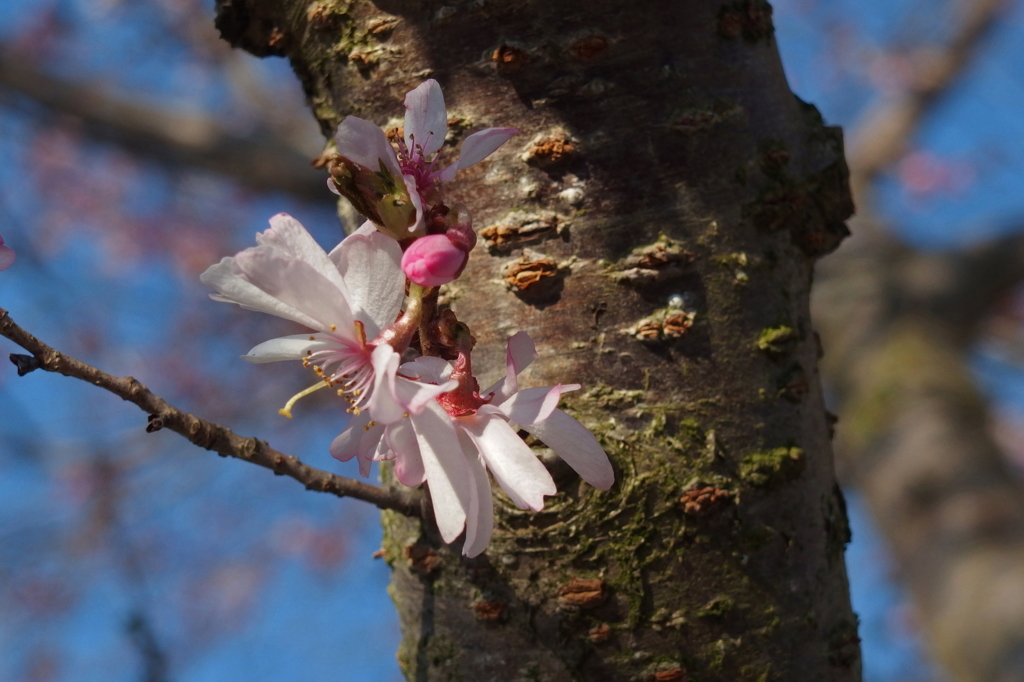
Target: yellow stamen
x,y
334,328
286,411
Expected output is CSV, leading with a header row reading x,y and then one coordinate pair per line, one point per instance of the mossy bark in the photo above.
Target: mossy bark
x,y
656,223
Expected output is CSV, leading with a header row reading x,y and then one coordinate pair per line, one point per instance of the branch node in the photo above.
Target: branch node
x,y
25,363
135,387
156,422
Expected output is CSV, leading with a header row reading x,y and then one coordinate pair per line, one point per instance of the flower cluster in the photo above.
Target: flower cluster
x,y
373,300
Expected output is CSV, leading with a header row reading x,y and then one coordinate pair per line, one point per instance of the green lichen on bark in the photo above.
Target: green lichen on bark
x,y
772,466
778,340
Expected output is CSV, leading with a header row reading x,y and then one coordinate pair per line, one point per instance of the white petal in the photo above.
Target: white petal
x,y
358,440
363,142
293,347
480,518
366,229
414,395
299,285
418,225
287,234
416,372
365,464
476,148
383,402
445,467
532,405
401,439
519,353
426,121
427,368
513,464
233,286
384,453
372,270
574,443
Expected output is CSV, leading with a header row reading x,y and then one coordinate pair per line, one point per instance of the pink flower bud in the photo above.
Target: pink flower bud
x,y
6,255
433,260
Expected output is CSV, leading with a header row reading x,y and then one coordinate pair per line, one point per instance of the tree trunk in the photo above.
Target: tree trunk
x,y
653,228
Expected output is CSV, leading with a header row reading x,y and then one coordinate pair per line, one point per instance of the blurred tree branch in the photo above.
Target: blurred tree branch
x,y
201,432
897,326
881,137
260,159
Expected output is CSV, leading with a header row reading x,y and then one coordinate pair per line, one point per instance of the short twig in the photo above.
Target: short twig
x,y
199,431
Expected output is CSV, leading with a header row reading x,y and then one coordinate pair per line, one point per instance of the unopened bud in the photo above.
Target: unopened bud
x,y
376,194
433,260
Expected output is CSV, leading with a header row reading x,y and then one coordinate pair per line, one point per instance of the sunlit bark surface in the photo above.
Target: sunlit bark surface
x,y
653,228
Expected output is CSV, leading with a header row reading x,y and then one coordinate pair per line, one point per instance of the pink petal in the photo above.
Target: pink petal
x,y
299,285
532,405
408,463
418,225
365,464
370,266
289,236
519,353
384,403
575,444
476,148
267,279
288,348
414,395
366,229
445,468
358,440
363,142
427,368
480,518
426,121
513,464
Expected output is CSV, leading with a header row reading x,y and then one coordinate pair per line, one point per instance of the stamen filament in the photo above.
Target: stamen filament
x,y
286,411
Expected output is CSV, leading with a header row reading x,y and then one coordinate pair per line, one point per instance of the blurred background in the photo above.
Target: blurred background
x,y
136,149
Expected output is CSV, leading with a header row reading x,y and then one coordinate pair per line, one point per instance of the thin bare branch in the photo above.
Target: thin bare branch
x,y
881,136
260,159
201,432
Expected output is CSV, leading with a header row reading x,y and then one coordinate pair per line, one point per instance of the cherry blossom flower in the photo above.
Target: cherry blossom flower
x,y
421,445
391,187
346,297
6,255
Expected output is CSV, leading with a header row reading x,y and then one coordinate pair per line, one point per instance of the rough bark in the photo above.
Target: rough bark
x,y
661,154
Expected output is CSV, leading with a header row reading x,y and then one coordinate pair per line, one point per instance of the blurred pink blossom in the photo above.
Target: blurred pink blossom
x,y
6,255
